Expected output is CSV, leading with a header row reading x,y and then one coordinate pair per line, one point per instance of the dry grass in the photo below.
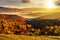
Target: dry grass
x,y
22,37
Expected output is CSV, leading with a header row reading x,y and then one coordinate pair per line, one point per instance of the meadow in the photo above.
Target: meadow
x,y
23,37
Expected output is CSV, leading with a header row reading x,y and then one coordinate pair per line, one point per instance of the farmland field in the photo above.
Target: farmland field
x,y
23,37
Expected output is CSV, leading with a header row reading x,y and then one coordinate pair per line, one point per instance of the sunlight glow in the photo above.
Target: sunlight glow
x,y
49,4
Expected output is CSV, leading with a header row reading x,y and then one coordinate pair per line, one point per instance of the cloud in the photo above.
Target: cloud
x,y
22,3
14,3
57,2
18,3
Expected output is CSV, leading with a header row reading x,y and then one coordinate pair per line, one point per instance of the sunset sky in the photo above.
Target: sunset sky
x,y
48,4
28,3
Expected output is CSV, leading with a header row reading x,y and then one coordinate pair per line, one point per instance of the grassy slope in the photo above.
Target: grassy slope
x,y
22,37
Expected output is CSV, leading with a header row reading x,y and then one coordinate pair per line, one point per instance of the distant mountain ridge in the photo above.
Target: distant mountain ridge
x,y
6,9
31,11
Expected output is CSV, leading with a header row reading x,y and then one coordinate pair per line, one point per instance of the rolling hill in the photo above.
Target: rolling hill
x,y
51,16
12,17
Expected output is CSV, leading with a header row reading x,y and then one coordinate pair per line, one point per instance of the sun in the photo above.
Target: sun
x,y
49,4
44,3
